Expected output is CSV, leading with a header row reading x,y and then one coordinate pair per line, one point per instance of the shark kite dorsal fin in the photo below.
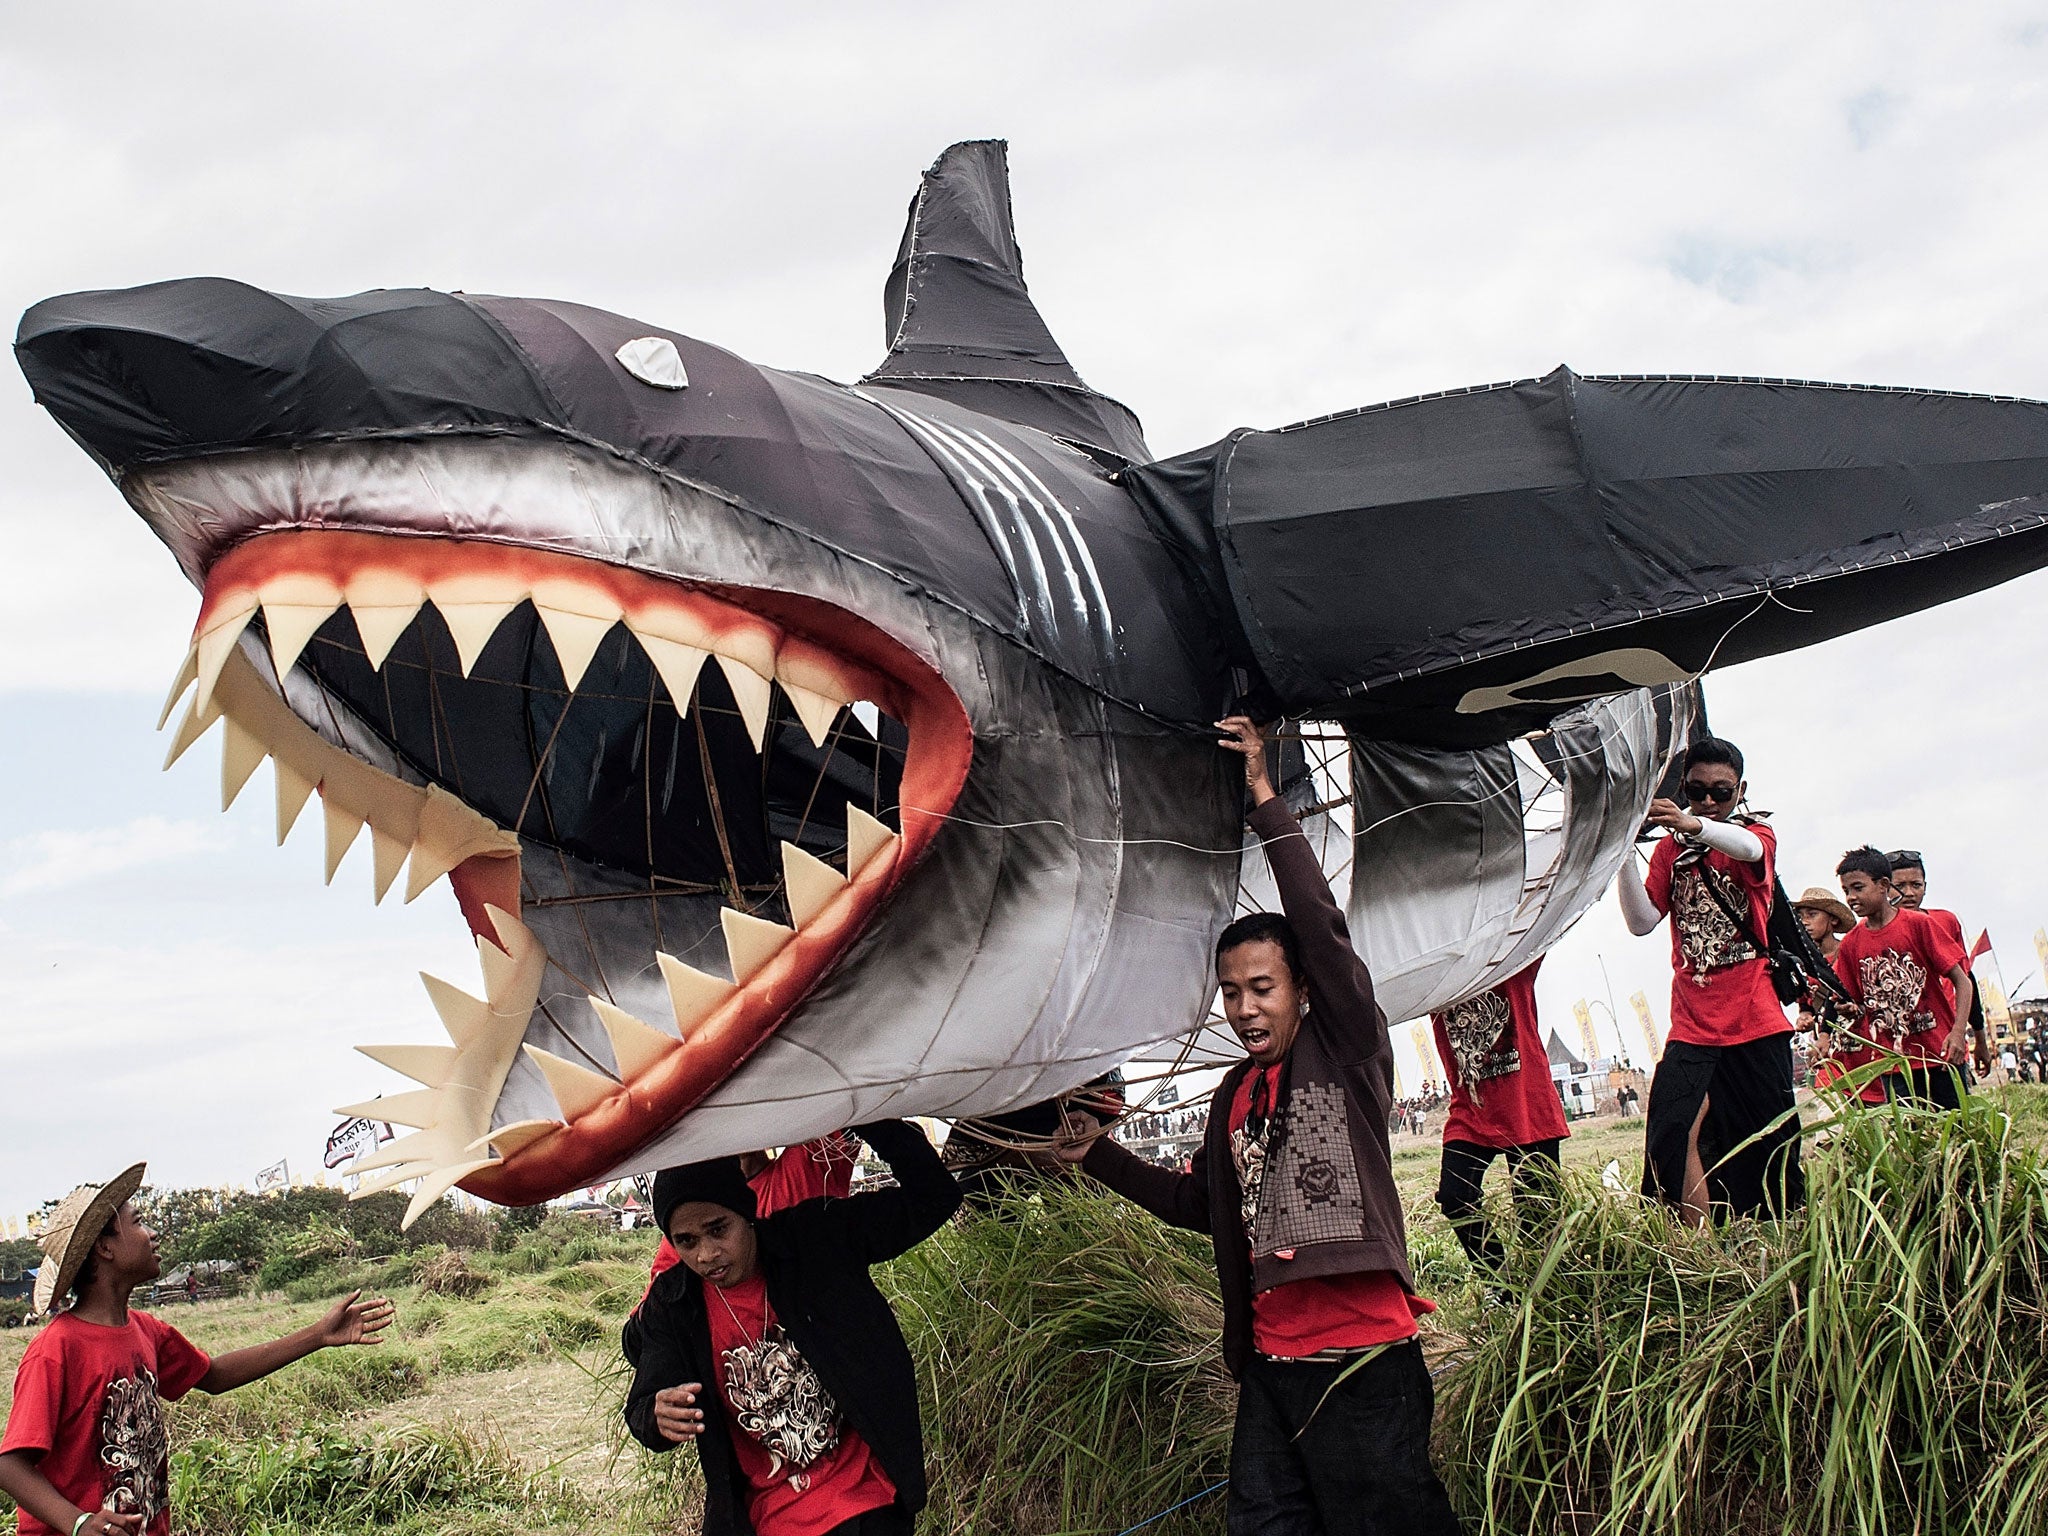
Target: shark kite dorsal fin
x,y
961,324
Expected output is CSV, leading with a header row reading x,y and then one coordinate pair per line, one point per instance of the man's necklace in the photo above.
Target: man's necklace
x,y
746,1337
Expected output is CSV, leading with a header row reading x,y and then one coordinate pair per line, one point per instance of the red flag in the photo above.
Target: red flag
x,y
1982,946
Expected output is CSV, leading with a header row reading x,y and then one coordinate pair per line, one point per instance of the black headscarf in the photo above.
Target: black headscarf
x,y
717,1181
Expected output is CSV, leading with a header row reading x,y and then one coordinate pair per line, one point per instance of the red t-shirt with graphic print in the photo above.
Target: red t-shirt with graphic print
x,y
784,1499
1895,972
89,1398
815,1170
1714,1002
1306,1317
1501,1091
1847,1056
1952,925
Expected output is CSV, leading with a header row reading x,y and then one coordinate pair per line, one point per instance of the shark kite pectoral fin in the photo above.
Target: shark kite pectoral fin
x,y
1634,666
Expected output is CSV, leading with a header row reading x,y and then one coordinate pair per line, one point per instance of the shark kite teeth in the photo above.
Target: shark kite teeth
x,y
679,633
452,1112
296,585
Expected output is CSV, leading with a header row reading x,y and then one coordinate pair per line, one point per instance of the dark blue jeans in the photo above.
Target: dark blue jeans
x,y
1310,1460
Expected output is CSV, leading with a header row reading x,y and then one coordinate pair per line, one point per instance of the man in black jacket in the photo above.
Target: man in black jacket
x,y
770,1349
1294,1185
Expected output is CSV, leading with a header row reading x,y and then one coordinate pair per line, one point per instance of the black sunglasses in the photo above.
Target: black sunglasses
x,y
1906,858
1720,794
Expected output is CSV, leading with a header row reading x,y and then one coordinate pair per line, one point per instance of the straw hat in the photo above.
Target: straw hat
x,y
74,1227
1818,897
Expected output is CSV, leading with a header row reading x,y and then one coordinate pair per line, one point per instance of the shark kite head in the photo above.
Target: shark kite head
x,y
802,753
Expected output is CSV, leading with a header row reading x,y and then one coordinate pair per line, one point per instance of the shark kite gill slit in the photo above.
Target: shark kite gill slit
x,y
802,753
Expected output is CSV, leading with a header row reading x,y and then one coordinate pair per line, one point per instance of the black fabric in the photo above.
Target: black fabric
x,y
1313,1456
1388,562
182,369
1461,1180
169,370
1341,1057
1939,1087
815,1258
960,323
1748,1088
889,1520
717,1180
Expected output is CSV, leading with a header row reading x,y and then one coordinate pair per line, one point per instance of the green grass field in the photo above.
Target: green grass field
x,y
1068,1360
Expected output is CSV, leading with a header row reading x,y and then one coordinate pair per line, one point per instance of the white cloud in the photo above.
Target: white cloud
x,y
41,862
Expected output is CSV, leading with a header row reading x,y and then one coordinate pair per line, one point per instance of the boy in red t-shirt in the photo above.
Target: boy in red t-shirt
x,y
1502,1101
1909,891
1726,1073
1893,964
86,1451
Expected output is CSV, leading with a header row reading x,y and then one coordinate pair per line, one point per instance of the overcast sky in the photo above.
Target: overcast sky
x,y
1231,216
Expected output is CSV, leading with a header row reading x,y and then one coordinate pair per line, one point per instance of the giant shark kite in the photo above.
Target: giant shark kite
x,y
941,828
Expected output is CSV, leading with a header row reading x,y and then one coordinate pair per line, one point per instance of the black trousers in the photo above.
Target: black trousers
x,y
1311,1457
1940,1086
889,1520
1532,1173
1748,1087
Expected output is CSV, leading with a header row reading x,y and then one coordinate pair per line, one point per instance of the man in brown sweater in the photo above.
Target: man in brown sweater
x,y
1294,1185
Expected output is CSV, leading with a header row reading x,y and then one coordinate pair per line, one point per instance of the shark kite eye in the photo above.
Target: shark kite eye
x,y
654,360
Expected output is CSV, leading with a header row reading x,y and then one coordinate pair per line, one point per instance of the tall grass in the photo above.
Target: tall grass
x,y
1067,1354
1878,1364
421,1479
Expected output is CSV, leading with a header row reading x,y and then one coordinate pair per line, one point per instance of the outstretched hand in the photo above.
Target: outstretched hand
x,y
355,1321
1242,735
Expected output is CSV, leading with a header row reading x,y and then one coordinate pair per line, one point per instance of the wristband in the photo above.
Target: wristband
x,y
79,1524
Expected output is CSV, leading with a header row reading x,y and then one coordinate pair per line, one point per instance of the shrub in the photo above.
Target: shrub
x,y
449,1274
332,1480
1878,1363
239,1237
295,1255
1068,1355
514,1222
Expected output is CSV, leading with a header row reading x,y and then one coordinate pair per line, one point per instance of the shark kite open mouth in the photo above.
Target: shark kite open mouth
x,y
804,753
437,643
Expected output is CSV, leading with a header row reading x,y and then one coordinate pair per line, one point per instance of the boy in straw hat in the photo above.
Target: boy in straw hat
x,y
1826,918
86,1452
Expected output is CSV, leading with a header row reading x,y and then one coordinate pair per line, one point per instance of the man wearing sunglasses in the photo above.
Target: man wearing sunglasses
x,y
1726,1074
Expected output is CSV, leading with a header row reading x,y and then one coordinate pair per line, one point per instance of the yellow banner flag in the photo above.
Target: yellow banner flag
x,y
1648,1021
1425,1052
1997,1009
2041,948
1584,1014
